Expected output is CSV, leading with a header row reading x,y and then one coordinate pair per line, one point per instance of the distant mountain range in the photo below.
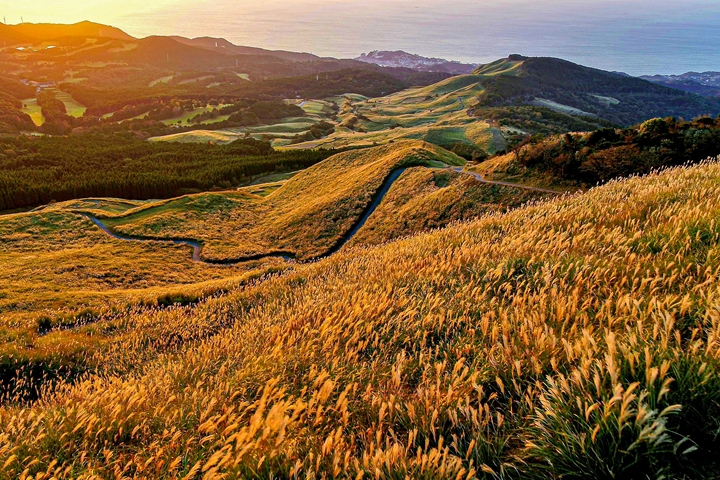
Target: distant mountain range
x,y
29,34
416,62
99,64
225,47
707,83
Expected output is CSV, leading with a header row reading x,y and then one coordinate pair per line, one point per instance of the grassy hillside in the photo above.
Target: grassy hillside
x,y
570,88
574,338
71,292
424,199
57,265
436,114
308,216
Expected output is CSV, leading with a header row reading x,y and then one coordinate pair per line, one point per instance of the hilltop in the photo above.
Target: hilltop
x,y
583,91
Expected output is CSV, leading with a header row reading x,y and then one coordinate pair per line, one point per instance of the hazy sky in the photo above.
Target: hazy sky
x,y
637,36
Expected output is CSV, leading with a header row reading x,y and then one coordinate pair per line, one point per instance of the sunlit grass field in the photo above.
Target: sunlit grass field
x,y
31,107
307,216
505,168
74,109
61,274
573,338
436,114
199,136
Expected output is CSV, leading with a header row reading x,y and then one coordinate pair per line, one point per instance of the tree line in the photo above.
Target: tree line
x,y
39,170
608,153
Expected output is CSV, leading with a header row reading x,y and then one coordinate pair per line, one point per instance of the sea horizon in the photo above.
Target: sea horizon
x,y
637,37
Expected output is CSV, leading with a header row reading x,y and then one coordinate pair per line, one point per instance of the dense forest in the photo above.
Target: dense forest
x,y
609,153
39,170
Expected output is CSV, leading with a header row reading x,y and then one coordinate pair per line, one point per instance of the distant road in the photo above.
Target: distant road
x,y
482,179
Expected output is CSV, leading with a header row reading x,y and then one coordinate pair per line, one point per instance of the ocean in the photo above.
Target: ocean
x,y
634,36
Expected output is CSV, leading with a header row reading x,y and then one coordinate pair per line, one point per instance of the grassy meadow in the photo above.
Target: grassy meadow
x,y
62,276
31,107
436,114
504,168
307,216
74,109
423,199
575,338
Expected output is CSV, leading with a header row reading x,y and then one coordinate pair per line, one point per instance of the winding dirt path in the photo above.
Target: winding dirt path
x,y
369,210
197,246
481,179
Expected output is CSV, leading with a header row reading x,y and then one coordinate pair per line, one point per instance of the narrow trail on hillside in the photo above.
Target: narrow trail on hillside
x,y
196,246
481,179
359,223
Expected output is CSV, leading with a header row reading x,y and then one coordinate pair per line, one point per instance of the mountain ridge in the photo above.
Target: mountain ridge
x,y
560,84
34,32
701,83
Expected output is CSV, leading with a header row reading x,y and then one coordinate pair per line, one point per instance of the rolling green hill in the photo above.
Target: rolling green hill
x,y
448,113
570,88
